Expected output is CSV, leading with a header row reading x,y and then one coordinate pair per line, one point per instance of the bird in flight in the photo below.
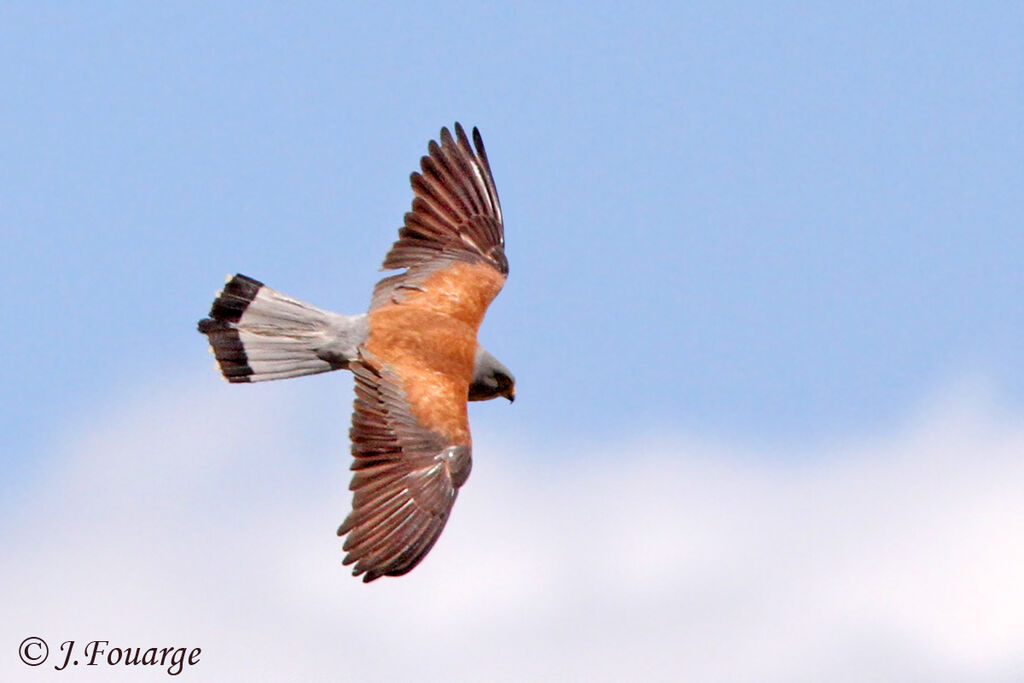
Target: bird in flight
x,y
414,355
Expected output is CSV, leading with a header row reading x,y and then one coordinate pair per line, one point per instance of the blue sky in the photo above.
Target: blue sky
x,y
774,222
758,223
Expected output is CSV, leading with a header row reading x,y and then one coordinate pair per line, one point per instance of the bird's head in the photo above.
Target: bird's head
x,y
491,379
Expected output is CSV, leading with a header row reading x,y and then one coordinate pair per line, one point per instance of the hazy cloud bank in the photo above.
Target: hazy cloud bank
x,y
185,520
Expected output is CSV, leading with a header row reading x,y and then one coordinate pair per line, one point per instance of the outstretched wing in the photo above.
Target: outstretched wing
x,y
455,217
410,428
406,479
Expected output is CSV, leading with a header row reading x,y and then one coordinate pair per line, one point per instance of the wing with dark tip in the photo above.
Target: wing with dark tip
x,y
455,216
405,480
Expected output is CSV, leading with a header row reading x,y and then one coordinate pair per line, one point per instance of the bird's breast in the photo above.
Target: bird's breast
x,y
432,354
428,338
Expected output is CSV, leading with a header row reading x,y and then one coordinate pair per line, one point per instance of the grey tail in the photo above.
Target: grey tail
x,y
257,334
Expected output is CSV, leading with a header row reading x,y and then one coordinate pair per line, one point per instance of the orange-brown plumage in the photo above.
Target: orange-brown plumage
x,y
429,340
410,428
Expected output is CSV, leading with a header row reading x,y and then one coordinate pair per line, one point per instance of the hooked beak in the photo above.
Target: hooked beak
x,y
510,395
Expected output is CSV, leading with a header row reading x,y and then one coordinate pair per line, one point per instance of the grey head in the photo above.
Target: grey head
x,y
491,379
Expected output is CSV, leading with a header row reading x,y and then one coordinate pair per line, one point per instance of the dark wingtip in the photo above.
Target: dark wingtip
x,y
345,526
446,136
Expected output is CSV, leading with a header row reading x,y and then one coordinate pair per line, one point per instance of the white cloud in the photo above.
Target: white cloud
x,y
206,519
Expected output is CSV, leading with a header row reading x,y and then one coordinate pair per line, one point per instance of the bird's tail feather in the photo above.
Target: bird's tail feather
x,y
257,334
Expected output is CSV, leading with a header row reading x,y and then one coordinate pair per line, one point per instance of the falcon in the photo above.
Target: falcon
x,y
414,355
